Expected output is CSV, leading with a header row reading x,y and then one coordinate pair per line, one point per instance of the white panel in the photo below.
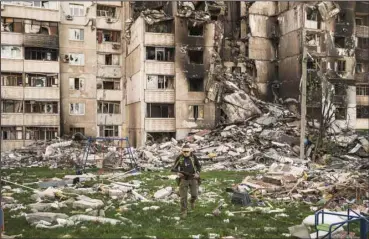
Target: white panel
x,y
159,68
11,38
42,119
41,66
42,93
109,119
159,39
11,119
160,96
156,124
134,87
12,92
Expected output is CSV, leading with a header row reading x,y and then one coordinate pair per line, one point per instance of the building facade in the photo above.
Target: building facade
x,y
30,73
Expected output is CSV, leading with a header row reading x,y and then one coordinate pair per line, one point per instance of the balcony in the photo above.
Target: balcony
x,y
159,96
42,119
109,119
110,47
362,100
41,66
12,38
160,124
159,67
47,93
102,23
109,95
362,54
362,31
15,65
49,13
12,92
159,39
12,119
109,71
41,40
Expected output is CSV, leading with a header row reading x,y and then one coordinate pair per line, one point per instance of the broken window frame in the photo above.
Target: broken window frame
x,y
190,26
102,84
76,34
11,133
196,112
312,14
41,107
11,106
109,59
15,52
199,88
11,79
359,68
195,59
74,130
12,24
76,10
48,80
339,44
315,39
341,17
362,90
106,13
163,82
108,36
76,83
359,21
108,107
340,66
40,54
362,111
40,133
109,131
362,42
160,110
169,53
76,59
41,27
76,108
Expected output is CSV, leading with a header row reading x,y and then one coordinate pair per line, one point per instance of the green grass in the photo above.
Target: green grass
x,y
160,223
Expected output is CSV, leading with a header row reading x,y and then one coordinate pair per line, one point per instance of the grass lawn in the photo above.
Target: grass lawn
x,y
162,223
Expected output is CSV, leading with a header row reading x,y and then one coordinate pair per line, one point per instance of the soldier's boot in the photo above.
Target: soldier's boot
x,y
192,205
183,214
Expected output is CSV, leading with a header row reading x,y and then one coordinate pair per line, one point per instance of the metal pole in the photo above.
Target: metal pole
x,y
303,98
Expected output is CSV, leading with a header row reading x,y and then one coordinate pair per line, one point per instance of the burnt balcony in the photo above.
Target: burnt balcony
x,y
362,54
41,40
362,31
344,29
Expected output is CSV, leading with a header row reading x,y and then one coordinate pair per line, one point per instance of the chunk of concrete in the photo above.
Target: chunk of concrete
x,y
116,193
266,120
104,220
50,217
84,202
164,192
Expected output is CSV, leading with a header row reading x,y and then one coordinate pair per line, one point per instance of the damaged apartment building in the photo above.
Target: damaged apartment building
x,y
30,75
61,70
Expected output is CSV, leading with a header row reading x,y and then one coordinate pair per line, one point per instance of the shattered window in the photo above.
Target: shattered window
x,y
195,56
105,11
341,113
75,59
362,43
160,27
155,82
157,110
362,112
109,84
359,68
40,27
341,17
76,34
77,108
107,36
311,14
359,21
41,107
196,112
12,52
109,130
11,106
362,90
195,29
312,39
11,133
311,64
196,84
104,107
339,42
41,133
11,25
76,10
40,54
76,83
11,79
341,65
160,53
41,80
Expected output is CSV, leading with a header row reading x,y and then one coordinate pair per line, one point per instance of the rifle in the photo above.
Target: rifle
x,y
186,174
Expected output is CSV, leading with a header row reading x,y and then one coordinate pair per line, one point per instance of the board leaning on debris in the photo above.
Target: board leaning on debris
x,y
263,149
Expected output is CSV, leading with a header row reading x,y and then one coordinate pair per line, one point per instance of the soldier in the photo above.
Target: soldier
x,y
188,170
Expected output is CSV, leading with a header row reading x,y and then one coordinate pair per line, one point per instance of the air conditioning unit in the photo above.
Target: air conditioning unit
x,y
116,46
2,7
69,17
66,58
109,20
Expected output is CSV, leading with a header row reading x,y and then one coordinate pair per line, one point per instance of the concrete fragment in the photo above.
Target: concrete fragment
x,y
162,193
365,143
266,120
84,202
50,217
104,220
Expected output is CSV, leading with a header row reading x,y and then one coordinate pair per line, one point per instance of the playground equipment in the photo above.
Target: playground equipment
x,y
123,146
351,216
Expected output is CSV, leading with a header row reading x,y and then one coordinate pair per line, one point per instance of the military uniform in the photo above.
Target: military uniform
x,y
189,165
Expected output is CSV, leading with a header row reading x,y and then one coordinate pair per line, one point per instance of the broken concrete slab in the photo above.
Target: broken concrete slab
x,y
50,217
84,202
